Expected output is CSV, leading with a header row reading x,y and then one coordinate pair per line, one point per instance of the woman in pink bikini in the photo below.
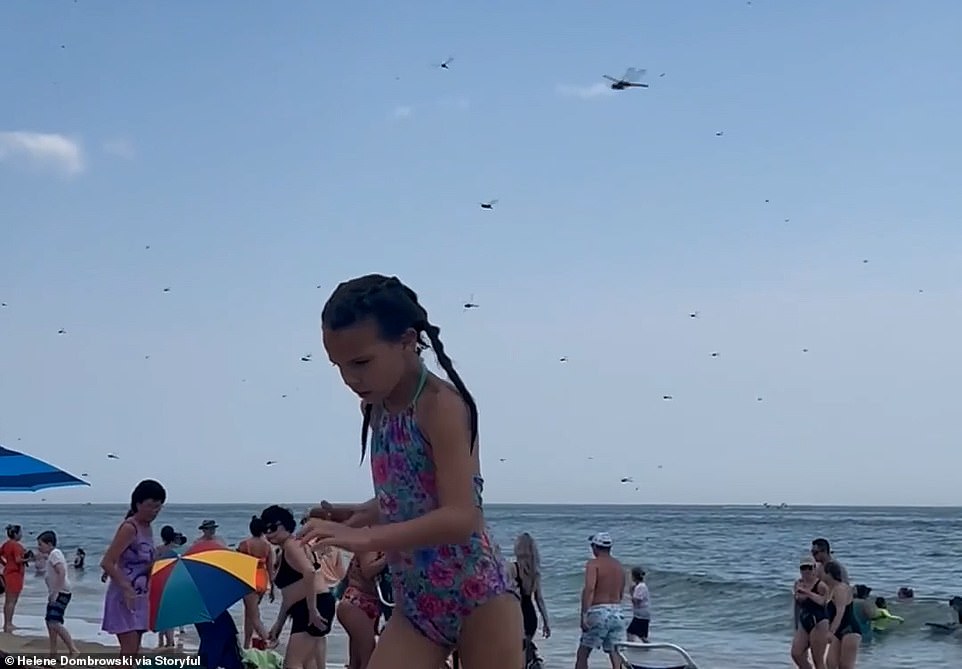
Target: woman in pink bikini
x,y
451,587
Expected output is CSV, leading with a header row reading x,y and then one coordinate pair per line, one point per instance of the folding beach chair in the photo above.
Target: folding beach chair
x,y
639,655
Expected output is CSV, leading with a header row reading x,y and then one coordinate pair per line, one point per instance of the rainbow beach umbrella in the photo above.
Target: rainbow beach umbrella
x,y
198,586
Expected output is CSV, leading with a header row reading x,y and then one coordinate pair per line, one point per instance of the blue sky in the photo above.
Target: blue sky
x,y
263,151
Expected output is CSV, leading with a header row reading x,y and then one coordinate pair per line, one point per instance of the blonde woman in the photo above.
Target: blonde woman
x,y
526,573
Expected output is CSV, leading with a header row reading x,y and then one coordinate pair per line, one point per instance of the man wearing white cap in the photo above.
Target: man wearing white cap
x,y
602,624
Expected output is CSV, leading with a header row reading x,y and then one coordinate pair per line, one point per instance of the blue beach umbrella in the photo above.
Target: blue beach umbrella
x,y
24,473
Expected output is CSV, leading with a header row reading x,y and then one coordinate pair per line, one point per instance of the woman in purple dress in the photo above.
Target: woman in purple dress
x,y
127,562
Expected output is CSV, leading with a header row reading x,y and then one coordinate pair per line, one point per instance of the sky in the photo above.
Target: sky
x,y
265,153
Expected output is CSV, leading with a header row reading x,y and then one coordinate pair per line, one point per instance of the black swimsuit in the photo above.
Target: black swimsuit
x,y
300,616
528,614
810,613
849,624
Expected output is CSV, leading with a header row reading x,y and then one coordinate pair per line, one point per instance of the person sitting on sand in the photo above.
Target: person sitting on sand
x,y
58,592
14,559
79,558
602,625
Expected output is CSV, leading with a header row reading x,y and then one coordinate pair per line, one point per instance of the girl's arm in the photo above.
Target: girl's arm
x,y
443,418
123,538
819,595
371,564
298,558
270,569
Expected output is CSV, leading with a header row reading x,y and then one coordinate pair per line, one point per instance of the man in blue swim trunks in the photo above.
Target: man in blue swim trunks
x,y
602,623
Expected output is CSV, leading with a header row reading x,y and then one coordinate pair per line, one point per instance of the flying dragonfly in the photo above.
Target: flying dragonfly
x,y
444,63
471,304
306,357
627,479
631,79
270,462
111,456
489,204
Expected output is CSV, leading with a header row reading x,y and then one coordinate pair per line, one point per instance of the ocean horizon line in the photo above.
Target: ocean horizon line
x,y
532,505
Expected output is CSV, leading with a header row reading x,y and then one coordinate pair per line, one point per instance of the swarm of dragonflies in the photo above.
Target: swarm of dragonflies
x,y
631,79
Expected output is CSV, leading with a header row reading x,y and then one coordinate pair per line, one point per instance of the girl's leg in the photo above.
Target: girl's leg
x,y
848,651
9,605
401,646
129,643
360,630
800,649
320,652
490,637
300,651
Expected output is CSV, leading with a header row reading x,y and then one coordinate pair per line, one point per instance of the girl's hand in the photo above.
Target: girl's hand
x,y
546,631
352,515
317,620
328,533
274,634
130,598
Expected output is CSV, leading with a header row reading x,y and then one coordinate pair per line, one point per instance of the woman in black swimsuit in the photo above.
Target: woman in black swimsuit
x,y
845,630
310,611
526,573
811,618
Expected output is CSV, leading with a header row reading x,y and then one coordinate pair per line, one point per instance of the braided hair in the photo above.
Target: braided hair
x,y
395,309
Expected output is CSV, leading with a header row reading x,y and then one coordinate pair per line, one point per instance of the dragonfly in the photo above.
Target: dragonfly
x,y
630,79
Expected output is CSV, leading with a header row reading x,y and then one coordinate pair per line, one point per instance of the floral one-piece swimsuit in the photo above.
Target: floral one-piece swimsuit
x,y
435,587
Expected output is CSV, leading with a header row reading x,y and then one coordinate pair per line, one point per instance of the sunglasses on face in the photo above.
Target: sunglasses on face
x,y
270,529
806,567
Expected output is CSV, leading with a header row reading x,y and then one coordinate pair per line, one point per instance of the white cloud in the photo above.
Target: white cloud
x,y
585,92
402,111
42,150
120,148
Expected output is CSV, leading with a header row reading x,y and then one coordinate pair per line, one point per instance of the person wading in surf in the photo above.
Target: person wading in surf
x,y
602,625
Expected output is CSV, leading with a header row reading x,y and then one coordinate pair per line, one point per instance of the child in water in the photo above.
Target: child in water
x,y
450,580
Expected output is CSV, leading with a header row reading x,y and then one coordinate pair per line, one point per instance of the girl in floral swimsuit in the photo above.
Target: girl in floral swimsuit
x,y
451,587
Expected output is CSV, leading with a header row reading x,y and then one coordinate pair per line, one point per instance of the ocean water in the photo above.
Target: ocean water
x,y
720,577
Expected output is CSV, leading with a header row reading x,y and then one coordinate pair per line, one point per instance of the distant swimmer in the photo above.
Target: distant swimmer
x,y
906,593
883,619
956,605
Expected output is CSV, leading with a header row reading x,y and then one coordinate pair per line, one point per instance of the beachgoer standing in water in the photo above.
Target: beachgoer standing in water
x,y
450,580
525,571
256,545
127,562
811,618
602,625
846,633
58,592
640,623
822,552
14,559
